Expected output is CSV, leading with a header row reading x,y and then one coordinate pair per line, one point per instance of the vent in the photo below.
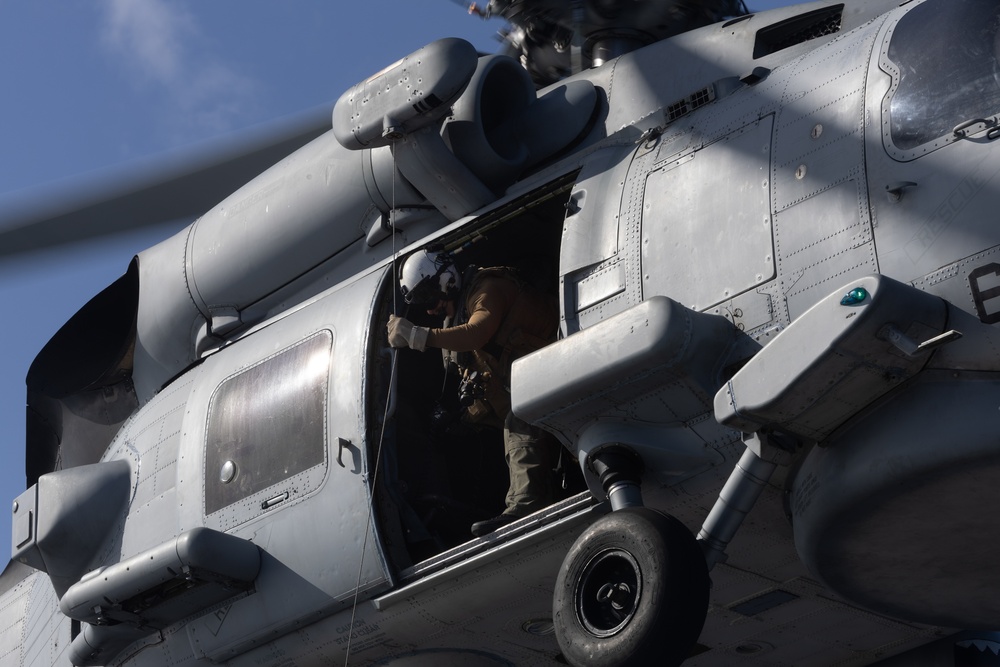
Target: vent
x,y
689,104
798,29
432,101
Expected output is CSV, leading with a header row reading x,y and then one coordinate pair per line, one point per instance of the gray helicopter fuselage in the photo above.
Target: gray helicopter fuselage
x,y
718,185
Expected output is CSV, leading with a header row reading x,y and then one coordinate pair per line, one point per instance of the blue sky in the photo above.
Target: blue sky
x,y
91,88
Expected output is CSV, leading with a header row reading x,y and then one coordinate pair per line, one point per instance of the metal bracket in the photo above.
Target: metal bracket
x,y
912,348
894,191
961,130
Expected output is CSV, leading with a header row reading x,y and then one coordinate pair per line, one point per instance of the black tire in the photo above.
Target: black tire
x,y
633,590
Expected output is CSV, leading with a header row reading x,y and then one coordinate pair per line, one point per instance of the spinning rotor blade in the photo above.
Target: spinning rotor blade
x,y
154,192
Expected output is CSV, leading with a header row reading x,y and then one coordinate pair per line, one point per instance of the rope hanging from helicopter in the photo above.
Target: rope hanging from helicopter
x,y
385,420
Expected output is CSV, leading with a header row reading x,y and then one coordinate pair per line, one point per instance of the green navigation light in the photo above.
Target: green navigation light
x,y
855,296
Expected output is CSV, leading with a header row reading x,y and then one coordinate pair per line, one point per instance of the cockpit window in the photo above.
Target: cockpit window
x,y
267,424
943,56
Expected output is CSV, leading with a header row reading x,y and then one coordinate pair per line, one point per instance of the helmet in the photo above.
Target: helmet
x,y
428,277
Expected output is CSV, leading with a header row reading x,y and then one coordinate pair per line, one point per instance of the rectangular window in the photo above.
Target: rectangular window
x,y
267,424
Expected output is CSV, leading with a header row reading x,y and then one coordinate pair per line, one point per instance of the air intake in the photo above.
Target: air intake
x,y
689,103
798,29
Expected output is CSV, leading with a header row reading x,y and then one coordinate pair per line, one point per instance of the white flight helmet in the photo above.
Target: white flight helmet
x,y
428,277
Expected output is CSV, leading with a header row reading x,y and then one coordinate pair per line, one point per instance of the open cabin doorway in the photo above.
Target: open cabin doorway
x,y
436,474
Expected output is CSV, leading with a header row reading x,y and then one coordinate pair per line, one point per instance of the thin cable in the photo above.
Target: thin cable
x,y
385,421
364,545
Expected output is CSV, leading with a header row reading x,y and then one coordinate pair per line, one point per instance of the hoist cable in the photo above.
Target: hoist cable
x,y
385,419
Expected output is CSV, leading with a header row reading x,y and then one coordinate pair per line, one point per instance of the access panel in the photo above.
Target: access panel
x,y
706,225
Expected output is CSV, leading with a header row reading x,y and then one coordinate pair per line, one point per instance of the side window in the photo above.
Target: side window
x,y
266,425
943,56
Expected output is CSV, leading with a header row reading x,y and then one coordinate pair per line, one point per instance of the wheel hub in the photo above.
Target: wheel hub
x,y
619,595
607,594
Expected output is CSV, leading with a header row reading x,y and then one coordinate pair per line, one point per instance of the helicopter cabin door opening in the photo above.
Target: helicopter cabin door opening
x,y
438,474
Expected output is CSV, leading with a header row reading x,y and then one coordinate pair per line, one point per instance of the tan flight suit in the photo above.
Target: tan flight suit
x,y
507,319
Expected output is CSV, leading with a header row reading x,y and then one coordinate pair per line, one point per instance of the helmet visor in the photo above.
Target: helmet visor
x,y
427,291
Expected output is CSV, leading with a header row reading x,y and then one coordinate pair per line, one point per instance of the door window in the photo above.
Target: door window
x,y
267,424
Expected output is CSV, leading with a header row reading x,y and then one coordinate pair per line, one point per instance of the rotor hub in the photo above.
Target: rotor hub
x,y
556,38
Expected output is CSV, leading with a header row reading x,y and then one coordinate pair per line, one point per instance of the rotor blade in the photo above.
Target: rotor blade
x,y
153,191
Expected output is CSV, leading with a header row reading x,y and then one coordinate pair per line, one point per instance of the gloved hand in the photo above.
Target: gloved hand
x,y
403,333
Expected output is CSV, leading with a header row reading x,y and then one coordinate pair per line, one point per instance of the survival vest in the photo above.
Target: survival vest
x,y
530,323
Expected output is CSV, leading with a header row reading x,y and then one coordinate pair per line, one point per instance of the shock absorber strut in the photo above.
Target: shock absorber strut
x,y
738,496
621,473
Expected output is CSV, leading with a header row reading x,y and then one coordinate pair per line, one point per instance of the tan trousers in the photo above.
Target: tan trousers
x,y
531,456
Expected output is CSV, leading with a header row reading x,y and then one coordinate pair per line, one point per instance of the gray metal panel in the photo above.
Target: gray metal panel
x,y
906,497
818,172
594,361
670,70
412,93
248,251
167,318
156,588
706,228
429,165
970,284
618,276
313,561
24,532
149,523
64,522
14,618
490,610
818,141
592,269
949,213
631,378
750,311
155,439
243,248
43,633
832,362
602,284
543,526
588,237
811,265
152,445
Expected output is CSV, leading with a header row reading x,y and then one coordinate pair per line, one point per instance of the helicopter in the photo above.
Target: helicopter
x,y
774,268
67,276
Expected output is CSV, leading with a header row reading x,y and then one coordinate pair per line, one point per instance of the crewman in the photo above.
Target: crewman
x,y
497,318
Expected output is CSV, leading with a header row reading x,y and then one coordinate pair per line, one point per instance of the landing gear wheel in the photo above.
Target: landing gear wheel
x,y
633,590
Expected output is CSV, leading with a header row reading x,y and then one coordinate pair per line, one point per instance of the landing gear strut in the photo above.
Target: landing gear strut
x,y
745,484
633,589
